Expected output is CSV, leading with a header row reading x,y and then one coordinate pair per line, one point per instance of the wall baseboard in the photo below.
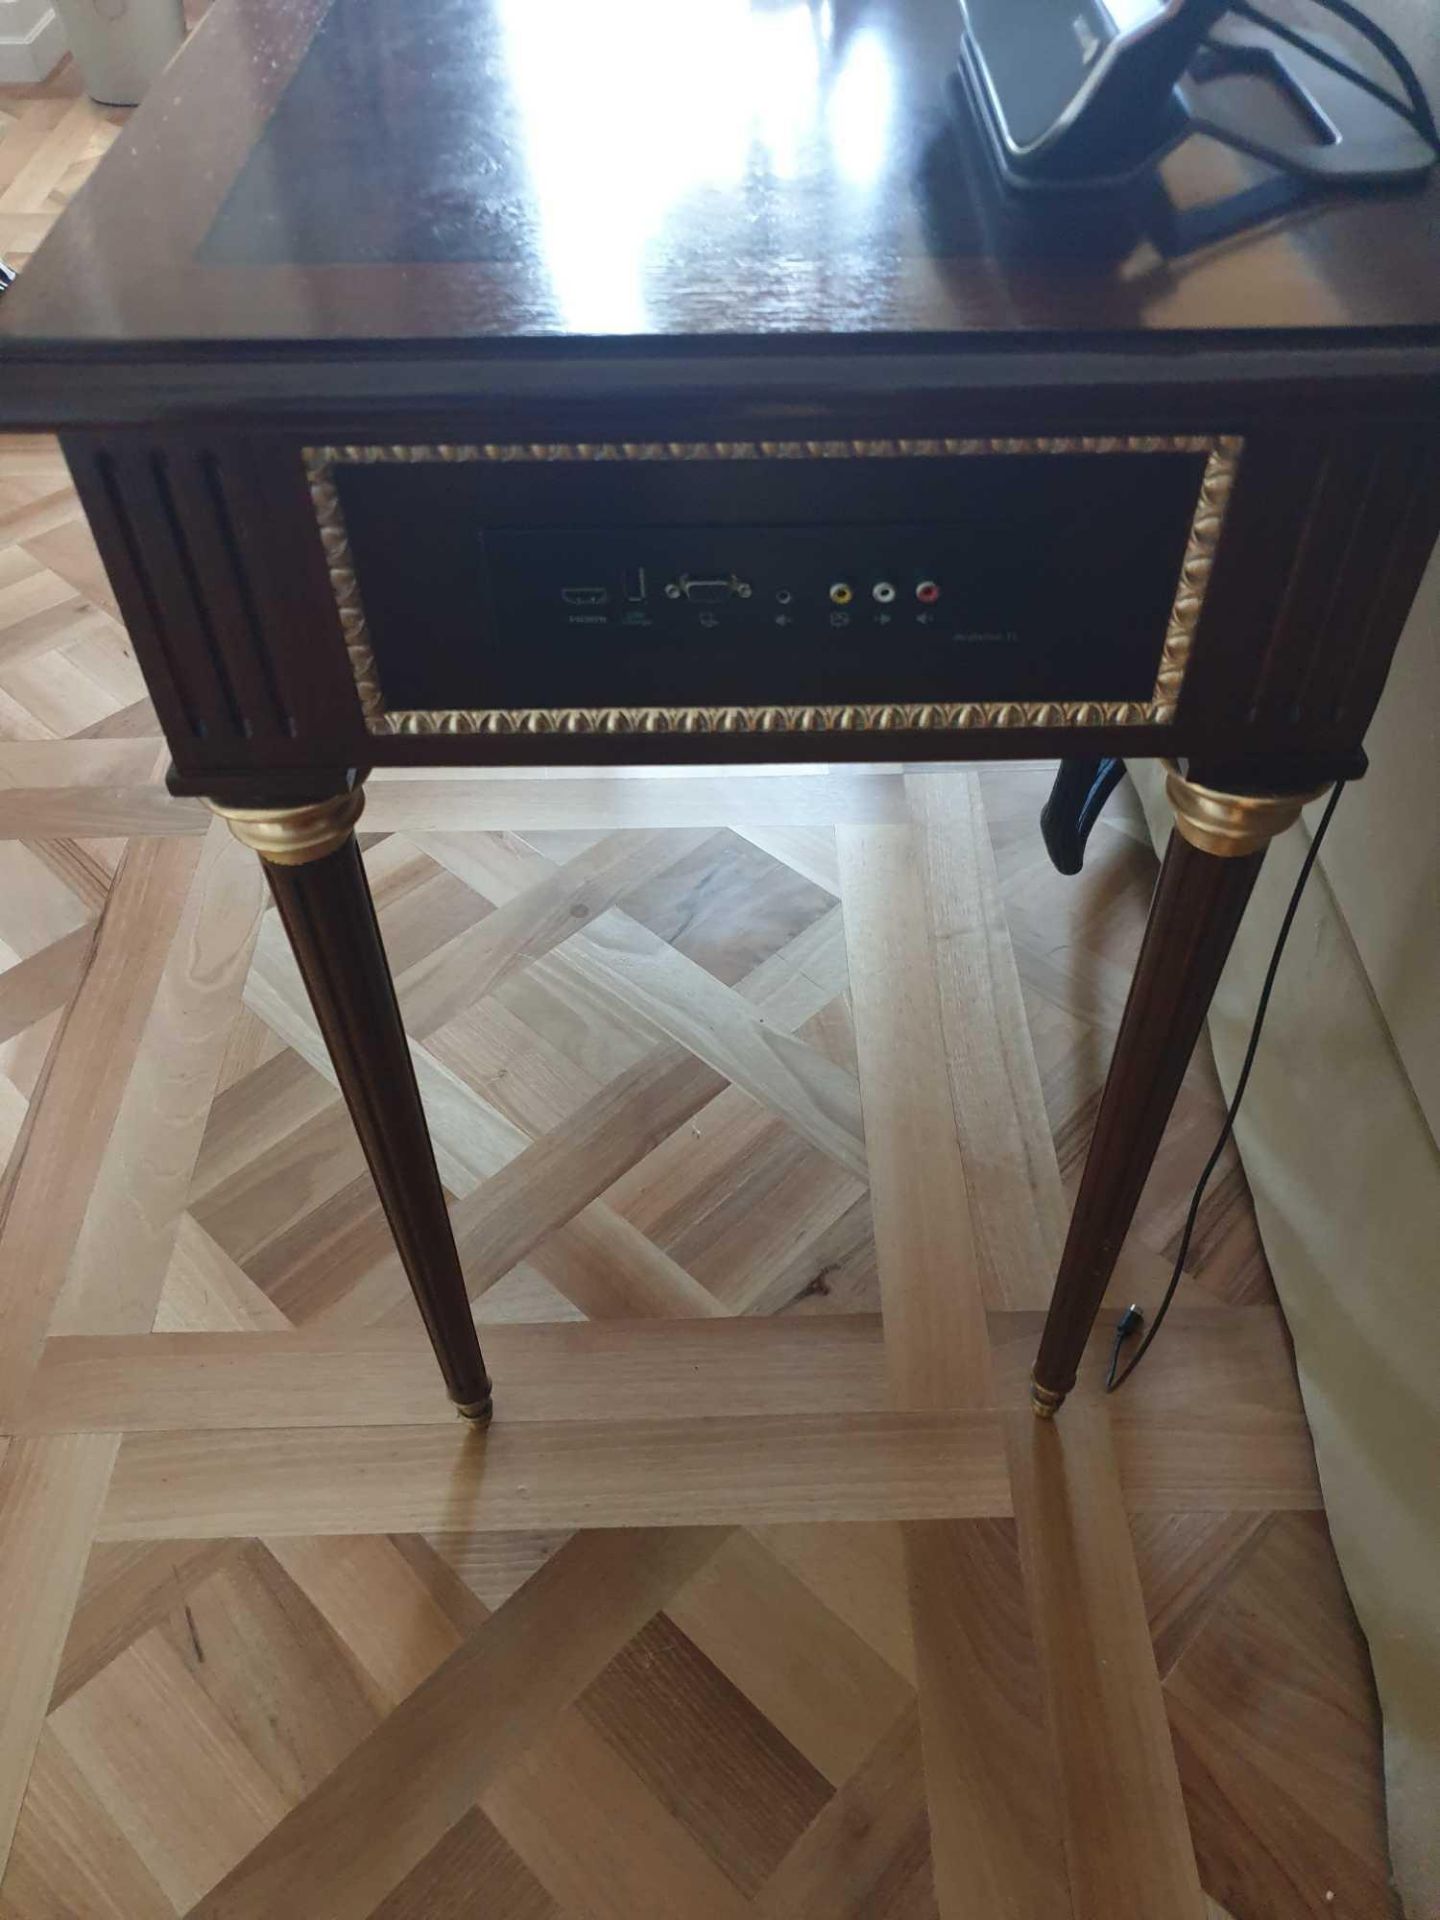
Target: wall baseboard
x,y
31,55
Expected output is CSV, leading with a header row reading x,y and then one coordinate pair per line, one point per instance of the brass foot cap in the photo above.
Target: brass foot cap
x,y
1044,1403
476,1411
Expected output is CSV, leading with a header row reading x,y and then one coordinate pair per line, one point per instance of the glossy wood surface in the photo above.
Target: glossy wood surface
x,y
626,1001
516,171
330,921
1198,904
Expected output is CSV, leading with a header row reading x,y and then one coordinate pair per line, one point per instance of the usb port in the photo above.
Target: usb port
x,y
633,583
585,596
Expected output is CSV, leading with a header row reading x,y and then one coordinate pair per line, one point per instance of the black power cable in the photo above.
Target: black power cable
x,y
1417,111
1133,1318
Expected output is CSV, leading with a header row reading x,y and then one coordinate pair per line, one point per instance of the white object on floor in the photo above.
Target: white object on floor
x,y
121,45
32,41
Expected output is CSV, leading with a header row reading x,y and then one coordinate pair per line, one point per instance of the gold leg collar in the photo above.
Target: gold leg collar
x,y
293,836
1229,824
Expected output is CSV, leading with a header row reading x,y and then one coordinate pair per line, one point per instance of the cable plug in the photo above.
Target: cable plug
x,y
1129,1322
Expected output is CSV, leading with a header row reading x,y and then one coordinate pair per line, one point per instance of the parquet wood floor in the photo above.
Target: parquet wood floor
x,y
758,1099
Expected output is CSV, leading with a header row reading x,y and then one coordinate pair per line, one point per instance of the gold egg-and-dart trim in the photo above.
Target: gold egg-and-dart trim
x,y
1223,457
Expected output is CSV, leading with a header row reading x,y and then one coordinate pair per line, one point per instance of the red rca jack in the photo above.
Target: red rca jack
x,y
927,593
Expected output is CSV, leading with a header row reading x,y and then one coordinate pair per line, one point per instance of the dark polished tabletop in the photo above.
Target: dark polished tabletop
x,y
494,175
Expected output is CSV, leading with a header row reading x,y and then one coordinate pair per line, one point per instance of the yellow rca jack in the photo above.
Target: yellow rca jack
x,y
841,593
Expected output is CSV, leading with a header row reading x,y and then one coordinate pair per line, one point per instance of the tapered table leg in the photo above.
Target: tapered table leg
x,y
1215,851
313,866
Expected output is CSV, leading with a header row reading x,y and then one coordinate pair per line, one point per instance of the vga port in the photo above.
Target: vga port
x,y
708,592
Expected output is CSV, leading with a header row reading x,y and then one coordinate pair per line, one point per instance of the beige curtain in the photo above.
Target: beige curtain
x,y
1343,1161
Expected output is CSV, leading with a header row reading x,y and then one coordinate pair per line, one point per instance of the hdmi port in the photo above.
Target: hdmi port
x,y
585,596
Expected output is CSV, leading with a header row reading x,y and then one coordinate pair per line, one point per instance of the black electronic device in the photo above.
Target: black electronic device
x,y
1045,574
1091,93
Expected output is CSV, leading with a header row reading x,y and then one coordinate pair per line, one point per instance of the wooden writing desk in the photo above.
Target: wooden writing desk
x,y
497,381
